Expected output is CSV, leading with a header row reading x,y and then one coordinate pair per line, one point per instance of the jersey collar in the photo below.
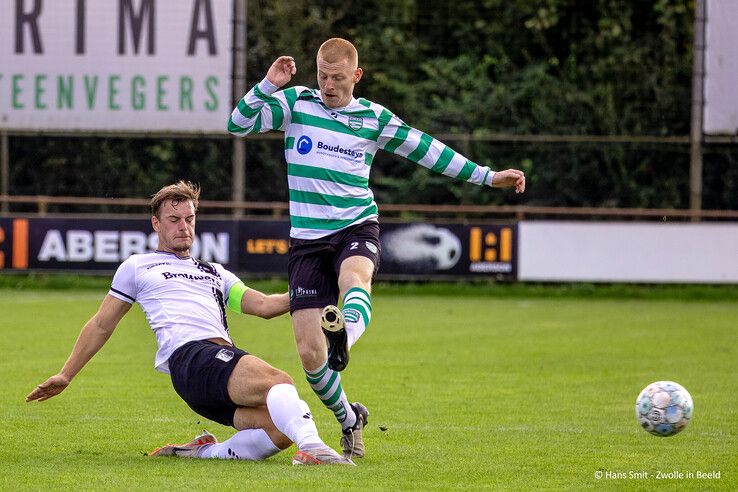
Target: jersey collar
x,y
173,254
337,110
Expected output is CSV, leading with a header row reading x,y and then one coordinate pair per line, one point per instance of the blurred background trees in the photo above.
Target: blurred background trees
x,y
552,67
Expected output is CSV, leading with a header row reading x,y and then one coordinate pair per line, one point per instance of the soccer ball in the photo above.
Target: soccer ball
x,y
664,408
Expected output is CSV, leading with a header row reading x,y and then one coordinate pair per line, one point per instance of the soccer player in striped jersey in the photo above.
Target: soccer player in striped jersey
x,y
331,138
185,302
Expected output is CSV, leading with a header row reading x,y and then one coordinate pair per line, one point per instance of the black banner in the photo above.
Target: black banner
x,y
409,250
100,244
449,250
263,246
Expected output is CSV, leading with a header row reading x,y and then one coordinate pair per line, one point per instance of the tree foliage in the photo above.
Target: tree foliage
x,y
552,67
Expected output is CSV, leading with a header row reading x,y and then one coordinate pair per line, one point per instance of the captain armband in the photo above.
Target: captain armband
x,y
235,295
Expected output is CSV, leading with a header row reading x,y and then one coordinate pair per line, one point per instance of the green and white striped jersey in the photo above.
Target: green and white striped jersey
x,y
329,153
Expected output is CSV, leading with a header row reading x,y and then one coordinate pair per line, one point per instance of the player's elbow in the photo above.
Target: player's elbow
x,y
236,130
100,326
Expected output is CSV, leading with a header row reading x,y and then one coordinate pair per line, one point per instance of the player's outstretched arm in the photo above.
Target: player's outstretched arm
x,y
281,71
401,139
509,178
263,305
93,336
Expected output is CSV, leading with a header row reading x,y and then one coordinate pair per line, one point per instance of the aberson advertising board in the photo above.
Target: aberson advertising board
x,y
115,65
100,245
409,250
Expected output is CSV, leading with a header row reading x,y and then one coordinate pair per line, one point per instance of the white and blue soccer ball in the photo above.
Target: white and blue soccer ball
x,y
664,408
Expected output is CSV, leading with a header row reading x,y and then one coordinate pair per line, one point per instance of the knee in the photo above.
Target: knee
x,y
355,278
356,271
312,356
275,377
281,377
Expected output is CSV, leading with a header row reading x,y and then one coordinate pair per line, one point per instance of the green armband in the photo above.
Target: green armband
x,y
235,295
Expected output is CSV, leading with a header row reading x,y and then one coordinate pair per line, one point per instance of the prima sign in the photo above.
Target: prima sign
x,y
115,65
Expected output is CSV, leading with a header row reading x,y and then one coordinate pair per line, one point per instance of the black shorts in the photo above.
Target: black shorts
x,y
200,372
313,263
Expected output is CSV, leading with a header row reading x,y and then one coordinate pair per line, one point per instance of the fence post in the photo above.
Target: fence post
x,y
4,170
698,77
238,158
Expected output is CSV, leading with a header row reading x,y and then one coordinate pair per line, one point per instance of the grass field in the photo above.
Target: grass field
x,y
466,392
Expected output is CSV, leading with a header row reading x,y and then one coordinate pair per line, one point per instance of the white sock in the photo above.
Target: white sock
x,y
248,444
292,416
357,313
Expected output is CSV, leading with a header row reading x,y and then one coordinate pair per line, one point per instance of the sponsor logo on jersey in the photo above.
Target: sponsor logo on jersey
x,y
157,264
187,276
337,149
304,145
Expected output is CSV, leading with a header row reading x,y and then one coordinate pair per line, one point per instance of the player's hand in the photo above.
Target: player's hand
x,y
282,70
51,387
509,178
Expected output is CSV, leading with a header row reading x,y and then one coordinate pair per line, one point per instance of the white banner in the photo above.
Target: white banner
x,y
627,252
115,65
721,68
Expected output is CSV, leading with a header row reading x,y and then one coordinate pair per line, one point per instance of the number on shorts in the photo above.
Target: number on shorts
x,y
354,245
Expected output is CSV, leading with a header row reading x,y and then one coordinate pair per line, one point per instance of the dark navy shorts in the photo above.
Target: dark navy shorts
x,y
314,263
200,372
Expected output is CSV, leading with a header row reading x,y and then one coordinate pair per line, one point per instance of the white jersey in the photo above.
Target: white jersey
x,y
183,298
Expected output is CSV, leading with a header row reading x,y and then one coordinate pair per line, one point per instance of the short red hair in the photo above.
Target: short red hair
x,y
335,50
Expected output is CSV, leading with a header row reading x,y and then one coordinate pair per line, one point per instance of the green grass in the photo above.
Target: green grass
x,y
466,392
715,292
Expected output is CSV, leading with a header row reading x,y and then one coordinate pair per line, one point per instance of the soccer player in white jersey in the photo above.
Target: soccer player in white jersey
x,y
331,138
185,302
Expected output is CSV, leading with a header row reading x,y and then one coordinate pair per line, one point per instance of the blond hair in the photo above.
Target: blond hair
x,y
178,192
335,50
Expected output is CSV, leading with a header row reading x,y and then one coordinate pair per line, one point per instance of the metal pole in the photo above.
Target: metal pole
x,y
4,170
238,159
696,133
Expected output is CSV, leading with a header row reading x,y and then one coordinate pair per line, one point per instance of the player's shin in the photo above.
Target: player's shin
x,y
292,416
357,313
248,444
326,383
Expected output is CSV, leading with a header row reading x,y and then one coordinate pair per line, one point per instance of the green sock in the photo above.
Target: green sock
x,y
357,313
